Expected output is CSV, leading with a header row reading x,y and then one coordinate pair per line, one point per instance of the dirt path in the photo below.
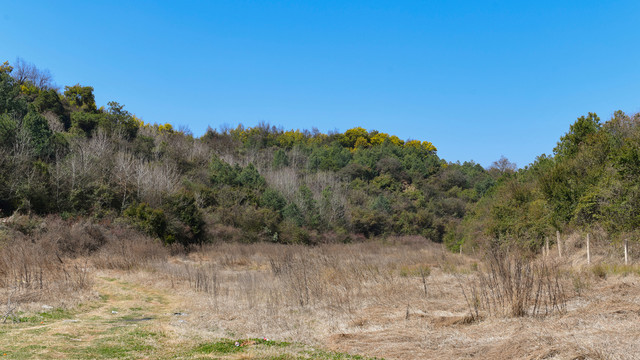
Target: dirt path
x,y
127,321
131,319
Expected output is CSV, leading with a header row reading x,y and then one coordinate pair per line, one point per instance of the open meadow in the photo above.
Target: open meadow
x,y
399,298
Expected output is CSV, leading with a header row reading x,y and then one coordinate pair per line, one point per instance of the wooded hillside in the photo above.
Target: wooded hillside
x,y
62,154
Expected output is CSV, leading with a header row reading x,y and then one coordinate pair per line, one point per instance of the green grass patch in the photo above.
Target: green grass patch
x,y
602,270
54,314
227,346
330,355
65,336
57,314
220,347
108,351
122,343
37,331
34,347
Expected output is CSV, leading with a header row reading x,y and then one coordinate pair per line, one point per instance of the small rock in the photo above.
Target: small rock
x,y
48,307
114,312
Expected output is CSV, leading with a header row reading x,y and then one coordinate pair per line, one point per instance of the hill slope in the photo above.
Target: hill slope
x,y
61,154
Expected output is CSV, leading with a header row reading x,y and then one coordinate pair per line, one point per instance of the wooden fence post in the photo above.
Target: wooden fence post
x,y
626,251
588,252
559,243
546,245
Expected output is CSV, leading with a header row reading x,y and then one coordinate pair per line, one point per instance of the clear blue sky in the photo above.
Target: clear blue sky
x,y
479,79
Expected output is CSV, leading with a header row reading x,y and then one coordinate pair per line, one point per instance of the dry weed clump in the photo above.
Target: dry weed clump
x,y
127,249
515,285
280,290
51,258
32,269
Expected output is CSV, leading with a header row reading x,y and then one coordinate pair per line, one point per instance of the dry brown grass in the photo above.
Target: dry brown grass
x,y
51,261
33,269
398,299
369,298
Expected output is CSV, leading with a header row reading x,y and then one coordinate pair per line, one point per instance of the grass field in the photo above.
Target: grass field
x,y
131,321
402,300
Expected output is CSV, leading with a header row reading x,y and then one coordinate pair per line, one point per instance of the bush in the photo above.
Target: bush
x,y
149,220
258,224
291,233
128,249
272,199
186,222
369,222
515,285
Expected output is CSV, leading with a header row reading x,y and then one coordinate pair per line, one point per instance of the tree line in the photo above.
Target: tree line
x,y
62,154
590,182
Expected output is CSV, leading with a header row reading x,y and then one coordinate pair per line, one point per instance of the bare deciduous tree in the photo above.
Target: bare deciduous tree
x,y
155,179
503,166
24,72
54,122
284,180
124,172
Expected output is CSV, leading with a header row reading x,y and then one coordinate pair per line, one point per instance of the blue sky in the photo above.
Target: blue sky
x,y
479,79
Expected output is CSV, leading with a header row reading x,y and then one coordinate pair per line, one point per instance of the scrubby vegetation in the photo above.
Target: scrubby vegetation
x,y
590,183
62,154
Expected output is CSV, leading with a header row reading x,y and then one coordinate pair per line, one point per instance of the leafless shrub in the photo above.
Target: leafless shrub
x,y
336,279
297,274
204,279
77,275
41,257
153,179
127,249
10,307
222,233
514,285
54,122
34,268
80,238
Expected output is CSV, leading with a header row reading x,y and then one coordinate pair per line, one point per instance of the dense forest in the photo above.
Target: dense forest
x,y
62,155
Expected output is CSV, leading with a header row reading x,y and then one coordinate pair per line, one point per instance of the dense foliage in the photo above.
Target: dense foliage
x,y
590,181
60,153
